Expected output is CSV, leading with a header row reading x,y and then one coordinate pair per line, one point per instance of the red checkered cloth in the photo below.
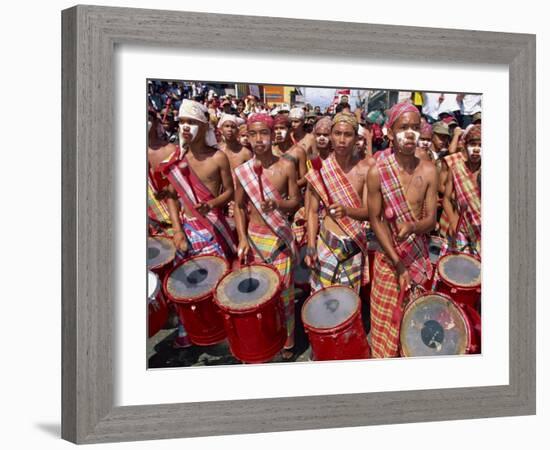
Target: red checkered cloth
x,y
413,251
275,220
214,222
342,193
157,212
384,334
469,201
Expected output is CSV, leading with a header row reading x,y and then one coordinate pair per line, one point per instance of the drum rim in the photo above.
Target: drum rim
x,y
198,298
158,287
172,253
251,308
463,316
338,327
452,283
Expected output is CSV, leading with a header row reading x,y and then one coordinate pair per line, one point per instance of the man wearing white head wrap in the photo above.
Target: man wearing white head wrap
x,y
194,111
206,176
298,134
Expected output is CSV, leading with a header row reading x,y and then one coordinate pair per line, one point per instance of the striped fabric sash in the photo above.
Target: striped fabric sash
x,y
413,251
156,209
342,193
214,221
275,220
468,199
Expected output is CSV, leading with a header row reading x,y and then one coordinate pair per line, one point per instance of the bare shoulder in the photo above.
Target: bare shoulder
x,y
246,154
220,158
155,157
298,150
428,168
286,166
373,177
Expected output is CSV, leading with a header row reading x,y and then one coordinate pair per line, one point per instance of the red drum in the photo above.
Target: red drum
x,y
157,309
332,320
160,254
302,274
460,277
190,285
434,325
252,312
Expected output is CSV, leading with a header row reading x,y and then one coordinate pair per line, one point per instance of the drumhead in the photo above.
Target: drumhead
x,y
435,248
330,307
160,251
248,287
153,284
433,325
460,270
301,271
196,277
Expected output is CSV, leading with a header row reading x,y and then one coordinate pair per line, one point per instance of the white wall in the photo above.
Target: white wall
x,y
30,325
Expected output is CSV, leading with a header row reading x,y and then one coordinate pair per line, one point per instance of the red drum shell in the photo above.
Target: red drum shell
x,y
257,332
466,337
346,340
157,308
201,317
462,294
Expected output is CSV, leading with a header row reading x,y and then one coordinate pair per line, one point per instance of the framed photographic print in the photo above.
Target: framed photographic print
x,y
189,157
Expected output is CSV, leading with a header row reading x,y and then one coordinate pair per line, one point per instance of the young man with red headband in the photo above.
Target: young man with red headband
x,y
402,197
268,185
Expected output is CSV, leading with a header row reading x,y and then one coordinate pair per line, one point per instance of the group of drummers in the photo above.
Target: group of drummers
x,y
246,217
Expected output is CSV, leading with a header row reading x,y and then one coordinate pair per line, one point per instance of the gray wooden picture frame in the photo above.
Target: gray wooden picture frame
x,y
90,34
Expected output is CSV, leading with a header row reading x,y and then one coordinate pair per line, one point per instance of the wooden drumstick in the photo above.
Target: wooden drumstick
x,y
258,169
398,309
168,103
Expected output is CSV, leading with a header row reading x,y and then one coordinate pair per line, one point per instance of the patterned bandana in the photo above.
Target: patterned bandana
x,y
193,110
346,118
398,110
325,122
259,117
281,119
473,132
426,129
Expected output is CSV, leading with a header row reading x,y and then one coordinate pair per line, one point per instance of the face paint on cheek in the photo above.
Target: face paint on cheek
x,y
191,129
321,140
424,143
473,148
404,137
282,134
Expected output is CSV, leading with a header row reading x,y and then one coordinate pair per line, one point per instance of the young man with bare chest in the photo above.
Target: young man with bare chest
x,y
462,200
402,196
283,147
231,145
200,180
263,229
337,246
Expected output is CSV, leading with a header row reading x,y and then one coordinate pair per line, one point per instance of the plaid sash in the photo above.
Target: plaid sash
x,y
341,192
275,220
468,199
156,209
413,251
214,221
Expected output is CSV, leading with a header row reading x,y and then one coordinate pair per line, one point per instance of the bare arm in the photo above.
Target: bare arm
x,y
241,219
375,215
448,204
300,153
443,172
312,225
173,205
453,146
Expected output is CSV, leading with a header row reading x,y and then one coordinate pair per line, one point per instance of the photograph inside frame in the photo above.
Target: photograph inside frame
x,y
303,224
